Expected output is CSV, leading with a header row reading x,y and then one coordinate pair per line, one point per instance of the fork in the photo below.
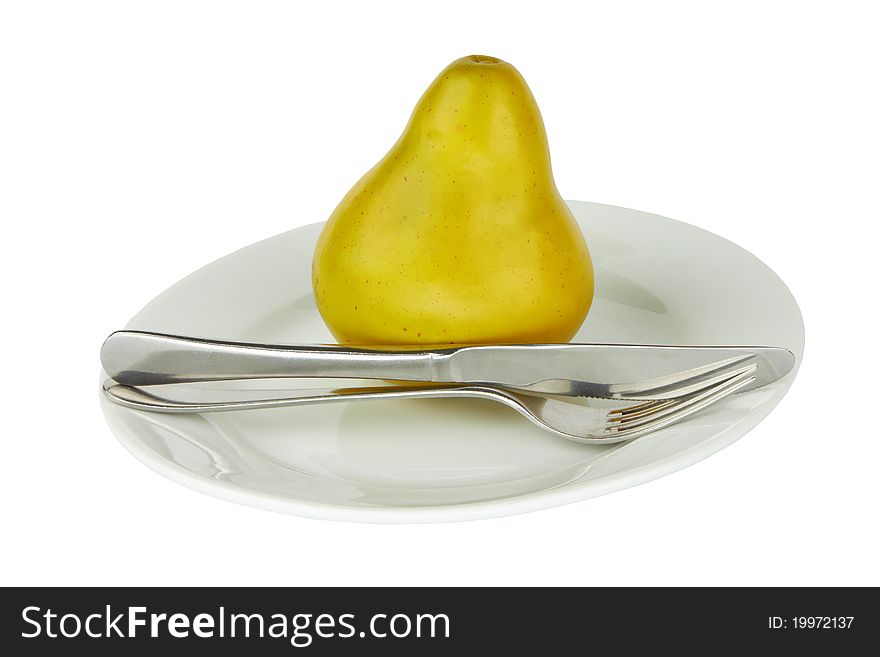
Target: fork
x,y
566,418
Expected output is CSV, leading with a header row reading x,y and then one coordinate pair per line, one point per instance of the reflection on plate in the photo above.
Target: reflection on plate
x,y
657,281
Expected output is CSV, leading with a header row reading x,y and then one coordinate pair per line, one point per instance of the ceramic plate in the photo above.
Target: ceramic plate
x,y
657,281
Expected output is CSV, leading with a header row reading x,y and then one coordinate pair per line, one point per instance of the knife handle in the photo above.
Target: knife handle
x,y
138,358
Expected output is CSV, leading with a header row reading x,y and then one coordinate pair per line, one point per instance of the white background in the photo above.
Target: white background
x,y
139,141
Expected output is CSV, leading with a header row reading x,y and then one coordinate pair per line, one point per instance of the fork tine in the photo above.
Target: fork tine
x,y
666,407
661,407
688,382
640,409
681,408
687,406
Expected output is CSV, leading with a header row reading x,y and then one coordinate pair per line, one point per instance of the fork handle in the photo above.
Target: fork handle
x,y
186,399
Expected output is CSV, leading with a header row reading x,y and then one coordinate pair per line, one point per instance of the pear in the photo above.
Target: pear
x,y
458,235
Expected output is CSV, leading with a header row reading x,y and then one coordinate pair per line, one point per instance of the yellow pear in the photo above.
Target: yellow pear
x,y
458,235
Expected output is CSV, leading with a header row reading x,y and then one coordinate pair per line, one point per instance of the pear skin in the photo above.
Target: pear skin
x,y
458,235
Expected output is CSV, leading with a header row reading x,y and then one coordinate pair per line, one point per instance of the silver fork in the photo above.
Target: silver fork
x,y
566,418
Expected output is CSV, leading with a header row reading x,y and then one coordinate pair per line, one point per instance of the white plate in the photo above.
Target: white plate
x,y
657,281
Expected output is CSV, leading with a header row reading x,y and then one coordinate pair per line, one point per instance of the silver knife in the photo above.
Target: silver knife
x,y
617,371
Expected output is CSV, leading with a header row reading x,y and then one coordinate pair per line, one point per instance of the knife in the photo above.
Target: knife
x,y
617,371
